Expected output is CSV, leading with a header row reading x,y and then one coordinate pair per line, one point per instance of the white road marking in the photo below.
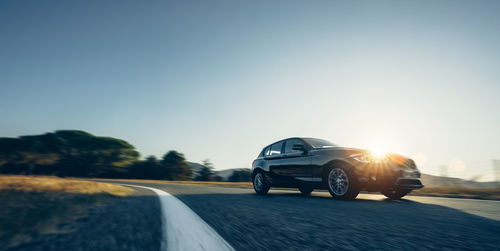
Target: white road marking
x,y
183,229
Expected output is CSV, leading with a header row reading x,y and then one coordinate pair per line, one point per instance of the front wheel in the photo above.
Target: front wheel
x,y
342,184
259,183
395,194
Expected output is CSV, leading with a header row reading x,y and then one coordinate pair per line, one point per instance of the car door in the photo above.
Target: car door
x,y
273,158
295,163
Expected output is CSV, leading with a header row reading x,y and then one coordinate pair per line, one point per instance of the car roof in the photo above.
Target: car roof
x,y
301,138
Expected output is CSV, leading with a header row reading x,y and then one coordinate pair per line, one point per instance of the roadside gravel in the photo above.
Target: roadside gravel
x,y
130,223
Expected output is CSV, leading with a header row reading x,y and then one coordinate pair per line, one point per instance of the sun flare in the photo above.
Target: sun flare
x,y
378,152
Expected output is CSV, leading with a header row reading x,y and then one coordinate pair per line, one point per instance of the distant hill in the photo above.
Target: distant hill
x,y
195,167
228,172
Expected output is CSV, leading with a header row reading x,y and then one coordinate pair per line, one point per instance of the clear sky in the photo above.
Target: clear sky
x,y
221,79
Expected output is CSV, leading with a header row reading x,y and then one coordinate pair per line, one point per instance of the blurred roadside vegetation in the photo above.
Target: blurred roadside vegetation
x,y
206,173
241,176
460,192
67,153
33,206
74,153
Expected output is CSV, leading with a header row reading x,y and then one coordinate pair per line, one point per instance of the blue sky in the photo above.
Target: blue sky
x,y
221,79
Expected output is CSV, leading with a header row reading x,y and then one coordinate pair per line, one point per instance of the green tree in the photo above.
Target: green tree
x,y
67,153
83,154
149,168
206,173
174,167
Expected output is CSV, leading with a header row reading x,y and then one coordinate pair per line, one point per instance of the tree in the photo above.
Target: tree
x,y
174,167
206,173
67,153
146,169
83,154
241,175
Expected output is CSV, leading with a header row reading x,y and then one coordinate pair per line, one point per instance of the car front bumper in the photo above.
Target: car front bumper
x,y
408,183
390,177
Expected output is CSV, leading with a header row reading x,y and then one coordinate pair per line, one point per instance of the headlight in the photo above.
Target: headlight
x,y
368,157
361,157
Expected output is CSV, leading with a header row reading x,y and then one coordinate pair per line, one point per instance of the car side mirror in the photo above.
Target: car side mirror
x,y
299,147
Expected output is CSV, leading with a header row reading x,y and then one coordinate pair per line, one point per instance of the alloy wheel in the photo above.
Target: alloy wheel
x,y
258,182
338,181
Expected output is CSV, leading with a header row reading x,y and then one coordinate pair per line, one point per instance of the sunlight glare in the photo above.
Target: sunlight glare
x,y
378,152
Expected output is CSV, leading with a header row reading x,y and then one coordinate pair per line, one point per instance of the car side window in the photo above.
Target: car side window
x,y
289,144
276,148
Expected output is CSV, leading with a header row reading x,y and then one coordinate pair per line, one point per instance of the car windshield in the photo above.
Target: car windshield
x,y
319,143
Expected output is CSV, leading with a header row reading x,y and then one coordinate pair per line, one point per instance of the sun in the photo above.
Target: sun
x,y
378,152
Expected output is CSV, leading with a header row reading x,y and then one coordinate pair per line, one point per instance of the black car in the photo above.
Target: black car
x,y
309,163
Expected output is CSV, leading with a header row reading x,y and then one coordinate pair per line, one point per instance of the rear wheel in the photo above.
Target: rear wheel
x,y
259,183
395,194
306,190
342,183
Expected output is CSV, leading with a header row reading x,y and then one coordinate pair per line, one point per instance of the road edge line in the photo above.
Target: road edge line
x,y
182,228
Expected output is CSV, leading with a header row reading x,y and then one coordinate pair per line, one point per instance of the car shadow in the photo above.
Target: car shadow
x,y
327,196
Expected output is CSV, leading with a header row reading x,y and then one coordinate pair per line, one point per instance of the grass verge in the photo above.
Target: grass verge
x,y
33,206
189,182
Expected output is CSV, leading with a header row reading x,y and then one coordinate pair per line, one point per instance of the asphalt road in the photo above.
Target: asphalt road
x,y
285,220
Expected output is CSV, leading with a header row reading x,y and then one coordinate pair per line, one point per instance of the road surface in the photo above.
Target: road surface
x,y
285,220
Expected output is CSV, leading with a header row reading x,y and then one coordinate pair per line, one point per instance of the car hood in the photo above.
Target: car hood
x,y
348,151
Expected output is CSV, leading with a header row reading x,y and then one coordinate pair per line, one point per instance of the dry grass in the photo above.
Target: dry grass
x,y
32,206
58,185
189,182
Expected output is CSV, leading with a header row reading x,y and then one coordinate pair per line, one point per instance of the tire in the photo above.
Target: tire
x,y
395,194
342,183
306,190
260,185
